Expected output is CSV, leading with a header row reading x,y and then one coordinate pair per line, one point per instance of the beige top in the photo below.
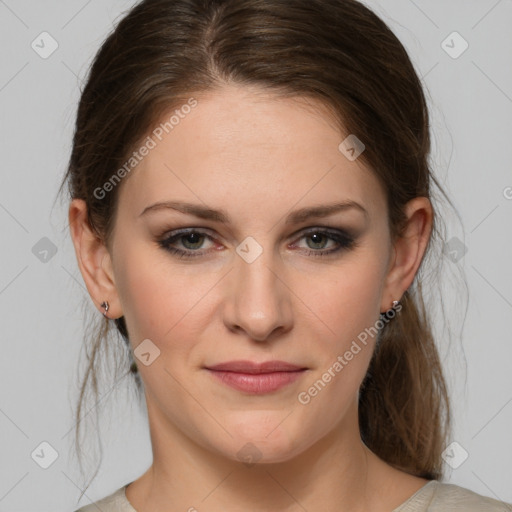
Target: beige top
x,y
434,496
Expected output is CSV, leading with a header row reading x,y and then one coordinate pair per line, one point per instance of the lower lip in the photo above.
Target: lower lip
x,y
257,384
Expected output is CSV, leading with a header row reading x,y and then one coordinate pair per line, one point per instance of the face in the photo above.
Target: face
x,y
245,274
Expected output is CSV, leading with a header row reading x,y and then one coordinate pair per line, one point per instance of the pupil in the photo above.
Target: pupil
x,y
316,236
190,238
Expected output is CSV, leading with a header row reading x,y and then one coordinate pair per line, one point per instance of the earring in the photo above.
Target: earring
x,y
105,305
396,307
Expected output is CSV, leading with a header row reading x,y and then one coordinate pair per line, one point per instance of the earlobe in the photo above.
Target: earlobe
x,y
93,260
409,250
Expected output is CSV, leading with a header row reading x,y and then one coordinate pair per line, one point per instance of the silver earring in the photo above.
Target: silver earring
x,y
395,308
105,305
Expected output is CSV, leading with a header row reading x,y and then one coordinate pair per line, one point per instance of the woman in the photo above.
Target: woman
x,y
251,205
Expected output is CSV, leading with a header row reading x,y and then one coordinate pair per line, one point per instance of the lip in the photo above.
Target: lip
x,y
256,378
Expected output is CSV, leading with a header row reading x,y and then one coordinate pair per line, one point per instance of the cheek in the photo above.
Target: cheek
x,y
143,294
161,302
347,299
346,308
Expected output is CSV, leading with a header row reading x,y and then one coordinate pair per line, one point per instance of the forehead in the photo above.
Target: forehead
x,y
245,147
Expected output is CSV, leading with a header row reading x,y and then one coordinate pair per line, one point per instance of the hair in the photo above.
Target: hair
x,y
337,52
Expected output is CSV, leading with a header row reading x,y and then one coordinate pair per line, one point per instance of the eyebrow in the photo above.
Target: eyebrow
x,y
296,217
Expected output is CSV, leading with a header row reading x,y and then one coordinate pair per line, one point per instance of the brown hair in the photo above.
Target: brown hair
x,y
335,51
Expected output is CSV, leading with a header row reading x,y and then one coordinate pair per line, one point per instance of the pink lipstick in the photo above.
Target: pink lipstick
x,y
256,378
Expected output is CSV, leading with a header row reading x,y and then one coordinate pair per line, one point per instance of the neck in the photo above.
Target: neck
x,y
337,472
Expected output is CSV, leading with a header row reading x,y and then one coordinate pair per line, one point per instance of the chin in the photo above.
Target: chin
x,y
266,439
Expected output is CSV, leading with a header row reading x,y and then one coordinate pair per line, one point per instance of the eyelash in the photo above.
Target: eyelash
x,y
345,241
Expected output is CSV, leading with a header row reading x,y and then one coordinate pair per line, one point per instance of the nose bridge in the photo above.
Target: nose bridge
x,y
260,303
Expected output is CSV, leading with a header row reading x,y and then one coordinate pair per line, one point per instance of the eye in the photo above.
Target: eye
x,y
192,242
340,241
190,239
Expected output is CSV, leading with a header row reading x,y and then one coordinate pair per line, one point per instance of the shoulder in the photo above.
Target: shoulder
x,y
440,497
115,502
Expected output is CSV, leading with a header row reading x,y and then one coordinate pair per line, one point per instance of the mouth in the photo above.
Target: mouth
x,y
256,378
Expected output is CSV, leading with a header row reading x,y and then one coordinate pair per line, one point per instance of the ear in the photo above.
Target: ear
x,y
409,249
93,259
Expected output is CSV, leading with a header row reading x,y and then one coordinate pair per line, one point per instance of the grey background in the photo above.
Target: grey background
x,y
41,320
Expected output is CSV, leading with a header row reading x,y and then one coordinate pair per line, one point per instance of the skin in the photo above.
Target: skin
x,y
258,157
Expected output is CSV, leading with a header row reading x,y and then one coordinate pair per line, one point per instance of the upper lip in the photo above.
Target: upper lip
x,y
252,367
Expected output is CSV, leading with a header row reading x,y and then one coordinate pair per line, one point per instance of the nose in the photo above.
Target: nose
x,y
258,300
